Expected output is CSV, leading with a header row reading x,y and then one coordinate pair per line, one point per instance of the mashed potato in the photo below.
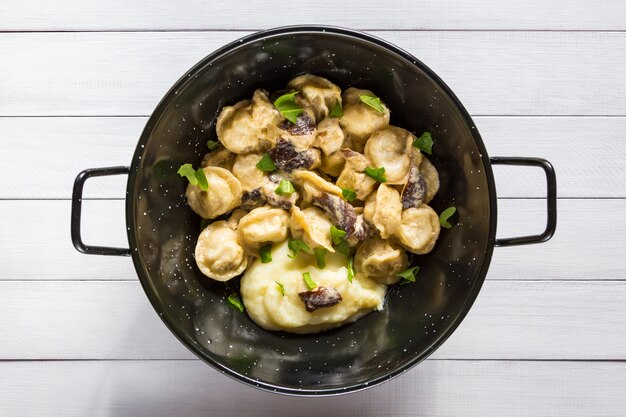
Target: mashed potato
x,y
267,306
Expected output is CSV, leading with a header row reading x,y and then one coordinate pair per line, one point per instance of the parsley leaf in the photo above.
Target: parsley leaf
x,y
424,143
186,170
343,248
310,284
202,181
348,194
377,174
266,164
445,215
350,268
265,252
295,246
336,110
373,102
408,275
286,105
281,288
337,235
236,302
284,188
320,254
212,144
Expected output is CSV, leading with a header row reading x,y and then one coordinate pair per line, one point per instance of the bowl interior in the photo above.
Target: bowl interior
x,y
163,229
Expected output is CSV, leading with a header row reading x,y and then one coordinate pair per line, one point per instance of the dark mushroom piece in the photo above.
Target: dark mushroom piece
x,y
287,157
269,192
320,297
341,212
252,199
304,125
414,191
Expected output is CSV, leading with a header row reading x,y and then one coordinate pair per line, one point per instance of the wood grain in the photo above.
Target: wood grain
x,y
586,246
192,389
256,14
510,320
585,167
493,73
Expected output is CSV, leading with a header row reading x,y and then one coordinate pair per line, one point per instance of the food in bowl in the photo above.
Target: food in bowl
x,y
317,200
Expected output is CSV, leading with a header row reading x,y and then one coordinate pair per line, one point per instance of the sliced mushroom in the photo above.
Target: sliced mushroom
x,y
390,147
352,176
419,229
284,201
312,185
319,92
320,297
253,199
383,209
414,191
303,132
431,177
359,120
235,216
312,226
340,211
262,225
288,158
361,231
218,254
332,164
223,194
220,157
381,260
329,136
247,173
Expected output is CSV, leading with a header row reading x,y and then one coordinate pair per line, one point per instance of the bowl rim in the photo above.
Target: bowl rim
x,y
137,161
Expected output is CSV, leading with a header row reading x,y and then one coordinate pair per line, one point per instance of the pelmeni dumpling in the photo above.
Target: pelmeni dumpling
x,y
332,164
319,92
419,229
312,185
390,147
262,225
359,120
312,226
380,259
247,173
352,176
383,209
329,137
431,177
220,157
218,254
223,194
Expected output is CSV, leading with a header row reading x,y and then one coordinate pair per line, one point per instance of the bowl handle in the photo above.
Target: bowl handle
x,y
77,203
551,199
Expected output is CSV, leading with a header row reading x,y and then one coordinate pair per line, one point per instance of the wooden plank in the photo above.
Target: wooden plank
x,y
493,73
402,14
585,168
42,228
510,320
190,388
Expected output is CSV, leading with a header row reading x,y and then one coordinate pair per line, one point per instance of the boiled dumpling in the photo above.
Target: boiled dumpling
x,y
312,185
332,164
390,147
329,136
319,92
380,259
352,176
218,254
220,157
247,173
311,226
431,177
223,194
359,120
262,225
383,209
419,229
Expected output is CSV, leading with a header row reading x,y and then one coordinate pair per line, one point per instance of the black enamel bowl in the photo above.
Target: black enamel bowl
x,y
162,230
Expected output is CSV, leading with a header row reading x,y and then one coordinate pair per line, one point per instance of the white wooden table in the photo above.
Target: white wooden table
x,y
547,336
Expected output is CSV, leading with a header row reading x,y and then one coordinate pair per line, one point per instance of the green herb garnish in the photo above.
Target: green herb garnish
x,y
204,223
297,245
212,144
266,164
377,174
336,110
310,284
286,105
408,275
350,268
203,183
320,255
195,177
281,288
424,143
337,235
265,252
236,302
445,215
348,194
373,102
284,188
343,248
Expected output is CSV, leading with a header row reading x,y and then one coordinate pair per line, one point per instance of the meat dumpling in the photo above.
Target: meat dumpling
x,y
218,254
419,229
312,185
329,137
247,173
223,194
381,260
383,209
359,120
390,147
311,226
262,225
352,176
220,157
431,178
318,91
